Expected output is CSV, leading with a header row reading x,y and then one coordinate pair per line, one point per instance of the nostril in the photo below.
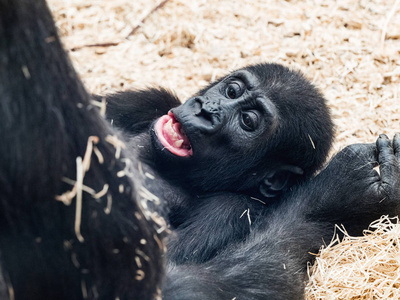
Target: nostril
x,y
206,115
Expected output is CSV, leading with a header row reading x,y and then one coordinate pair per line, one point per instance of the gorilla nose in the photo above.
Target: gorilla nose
x,y
207,113
208,107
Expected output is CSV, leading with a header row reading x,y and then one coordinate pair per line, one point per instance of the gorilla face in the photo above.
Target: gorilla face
x,y
230,122
229,117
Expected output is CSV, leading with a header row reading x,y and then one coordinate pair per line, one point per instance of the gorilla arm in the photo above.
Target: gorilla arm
x,y
134,111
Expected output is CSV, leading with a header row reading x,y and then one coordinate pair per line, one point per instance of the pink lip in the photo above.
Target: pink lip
x,y
170,134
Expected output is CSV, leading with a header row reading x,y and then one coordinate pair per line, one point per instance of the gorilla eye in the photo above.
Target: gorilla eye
x,y
233,91
249,120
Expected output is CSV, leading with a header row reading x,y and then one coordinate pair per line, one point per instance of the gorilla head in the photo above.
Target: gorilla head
x,y
263,125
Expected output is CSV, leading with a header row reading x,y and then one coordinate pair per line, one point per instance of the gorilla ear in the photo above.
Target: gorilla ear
x,y
278,180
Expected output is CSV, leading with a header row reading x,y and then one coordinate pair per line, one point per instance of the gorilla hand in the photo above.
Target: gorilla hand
x,y
355,192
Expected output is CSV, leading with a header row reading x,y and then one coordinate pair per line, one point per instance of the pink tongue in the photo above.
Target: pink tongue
x,y
169,133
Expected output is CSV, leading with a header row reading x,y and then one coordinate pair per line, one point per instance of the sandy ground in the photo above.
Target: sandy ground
x,y
350,49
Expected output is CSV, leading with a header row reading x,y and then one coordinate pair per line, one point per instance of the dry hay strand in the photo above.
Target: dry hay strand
x,y
82,166
366,267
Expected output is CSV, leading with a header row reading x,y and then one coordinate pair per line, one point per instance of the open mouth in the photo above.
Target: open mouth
x,y
170,133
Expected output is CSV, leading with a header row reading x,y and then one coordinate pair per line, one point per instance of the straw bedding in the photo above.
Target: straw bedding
x,y
356,268
350,49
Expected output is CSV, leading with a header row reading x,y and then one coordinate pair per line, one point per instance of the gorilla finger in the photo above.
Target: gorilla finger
x,y
396,146
387,161
384,146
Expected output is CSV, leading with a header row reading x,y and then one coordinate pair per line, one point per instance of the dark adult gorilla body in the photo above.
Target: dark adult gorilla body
x,y
42,133
256,132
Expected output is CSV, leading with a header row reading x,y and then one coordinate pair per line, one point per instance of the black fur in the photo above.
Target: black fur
x,y
45,123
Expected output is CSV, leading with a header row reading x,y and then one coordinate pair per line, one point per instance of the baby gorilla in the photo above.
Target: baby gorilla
x,y
246,137
235,166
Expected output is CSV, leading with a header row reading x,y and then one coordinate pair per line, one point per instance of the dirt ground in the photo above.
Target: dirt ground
x,y
350,49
